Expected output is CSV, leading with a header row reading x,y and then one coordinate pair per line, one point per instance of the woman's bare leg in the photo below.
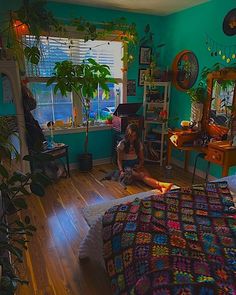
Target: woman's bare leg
x,y
143,175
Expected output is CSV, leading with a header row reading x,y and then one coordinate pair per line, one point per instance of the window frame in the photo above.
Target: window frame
x,y
70,32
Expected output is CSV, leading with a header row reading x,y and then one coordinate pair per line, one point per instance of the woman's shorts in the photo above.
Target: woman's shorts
x,y
130,163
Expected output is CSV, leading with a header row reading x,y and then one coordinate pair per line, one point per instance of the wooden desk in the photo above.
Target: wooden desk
x,y
219,152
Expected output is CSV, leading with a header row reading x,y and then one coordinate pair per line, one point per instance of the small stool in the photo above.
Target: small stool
x,y
202,156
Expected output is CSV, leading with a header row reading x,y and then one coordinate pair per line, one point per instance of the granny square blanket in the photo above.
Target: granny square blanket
x,y
182,242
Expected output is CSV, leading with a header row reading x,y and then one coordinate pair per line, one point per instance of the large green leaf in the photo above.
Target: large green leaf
x,y
3,171
37,189
41,178
32,54
20,203
27,219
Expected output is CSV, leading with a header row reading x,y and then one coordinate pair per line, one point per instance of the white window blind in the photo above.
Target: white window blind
x,y
55,49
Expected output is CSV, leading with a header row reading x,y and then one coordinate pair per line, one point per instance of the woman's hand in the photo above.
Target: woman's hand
x,y
138,167
122,173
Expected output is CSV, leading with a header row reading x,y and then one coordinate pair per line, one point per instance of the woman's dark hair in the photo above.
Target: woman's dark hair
x,y
29,102
131,128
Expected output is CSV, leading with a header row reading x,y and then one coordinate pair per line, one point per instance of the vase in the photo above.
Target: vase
x,y
196,114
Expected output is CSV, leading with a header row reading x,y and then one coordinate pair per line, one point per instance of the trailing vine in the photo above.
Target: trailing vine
x,y
33,18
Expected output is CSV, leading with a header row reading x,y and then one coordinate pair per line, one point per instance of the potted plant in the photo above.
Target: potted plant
x,y
84,80
14,186
197,96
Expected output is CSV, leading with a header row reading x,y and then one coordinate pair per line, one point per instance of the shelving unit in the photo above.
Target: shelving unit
x,y
156,99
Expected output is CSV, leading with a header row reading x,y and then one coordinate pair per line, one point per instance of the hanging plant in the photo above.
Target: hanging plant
x,y
37,18
32,18
124,32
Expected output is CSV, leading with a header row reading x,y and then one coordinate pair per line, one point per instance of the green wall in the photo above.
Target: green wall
x,y
100,144
5,108
187,30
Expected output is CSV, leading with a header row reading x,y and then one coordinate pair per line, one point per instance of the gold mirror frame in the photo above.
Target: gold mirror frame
x,y
217,130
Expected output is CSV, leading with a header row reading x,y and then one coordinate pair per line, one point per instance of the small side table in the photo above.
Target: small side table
x,y
57,152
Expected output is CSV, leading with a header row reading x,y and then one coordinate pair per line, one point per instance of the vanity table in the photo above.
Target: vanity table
x,y
223,154
218,119
219,152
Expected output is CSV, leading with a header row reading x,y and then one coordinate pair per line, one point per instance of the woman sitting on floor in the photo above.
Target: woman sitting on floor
x,y
130,155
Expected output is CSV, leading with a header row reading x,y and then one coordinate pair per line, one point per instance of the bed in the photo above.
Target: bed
x,y
92,246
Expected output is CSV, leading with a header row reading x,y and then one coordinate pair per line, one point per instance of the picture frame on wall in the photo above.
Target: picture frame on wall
x,y
141,76
145,54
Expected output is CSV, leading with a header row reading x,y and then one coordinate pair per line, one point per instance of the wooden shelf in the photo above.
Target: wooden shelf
x,y
154,122
161,128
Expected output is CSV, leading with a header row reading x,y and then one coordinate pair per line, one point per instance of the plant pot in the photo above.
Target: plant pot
x,y
196,111
85,162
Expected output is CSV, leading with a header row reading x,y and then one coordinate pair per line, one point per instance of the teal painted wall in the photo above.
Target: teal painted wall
x,y
5,108
187,30
100,144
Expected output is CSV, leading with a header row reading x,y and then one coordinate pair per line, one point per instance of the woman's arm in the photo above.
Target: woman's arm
x,y
119,159
141,158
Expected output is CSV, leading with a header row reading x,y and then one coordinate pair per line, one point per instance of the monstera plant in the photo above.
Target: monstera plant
x,y
83,79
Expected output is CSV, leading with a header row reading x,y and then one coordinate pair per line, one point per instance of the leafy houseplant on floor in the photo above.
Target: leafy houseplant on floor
x,y
14,231
83,79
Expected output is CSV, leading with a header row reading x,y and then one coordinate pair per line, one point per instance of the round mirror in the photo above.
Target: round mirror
x,y
185,70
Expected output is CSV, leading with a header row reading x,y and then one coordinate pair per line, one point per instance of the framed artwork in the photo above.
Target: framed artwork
x,y
141,76
145,55
131,87
185,70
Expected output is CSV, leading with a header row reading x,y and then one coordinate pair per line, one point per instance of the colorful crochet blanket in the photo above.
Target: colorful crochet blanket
x,y
183,242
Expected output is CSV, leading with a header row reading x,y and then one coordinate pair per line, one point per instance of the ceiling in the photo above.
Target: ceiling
x,y
157,7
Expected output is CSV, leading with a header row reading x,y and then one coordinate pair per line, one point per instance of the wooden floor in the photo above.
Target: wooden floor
x,y
51,262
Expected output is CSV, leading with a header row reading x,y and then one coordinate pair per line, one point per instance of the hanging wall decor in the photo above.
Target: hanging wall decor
x,y
225,52
185,70
229,23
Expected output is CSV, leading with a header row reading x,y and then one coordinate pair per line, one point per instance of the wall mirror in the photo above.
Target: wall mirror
x,y
221,102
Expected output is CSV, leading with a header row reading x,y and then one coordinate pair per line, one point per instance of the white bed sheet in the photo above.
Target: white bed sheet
x,y
92,245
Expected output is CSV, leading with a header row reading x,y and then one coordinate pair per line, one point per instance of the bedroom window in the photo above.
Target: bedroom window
x,y
51,107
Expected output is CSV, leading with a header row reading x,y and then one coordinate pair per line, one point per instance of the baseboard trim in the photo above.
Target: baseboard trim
x,y
74,166
198,172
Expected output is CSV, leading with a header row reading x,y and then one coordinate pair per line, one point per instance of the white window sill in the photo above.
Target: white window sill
x,y
69,130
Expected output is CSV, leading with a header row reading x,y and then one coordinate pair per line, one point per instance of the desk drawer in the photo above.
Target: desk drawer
x,y
215,156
